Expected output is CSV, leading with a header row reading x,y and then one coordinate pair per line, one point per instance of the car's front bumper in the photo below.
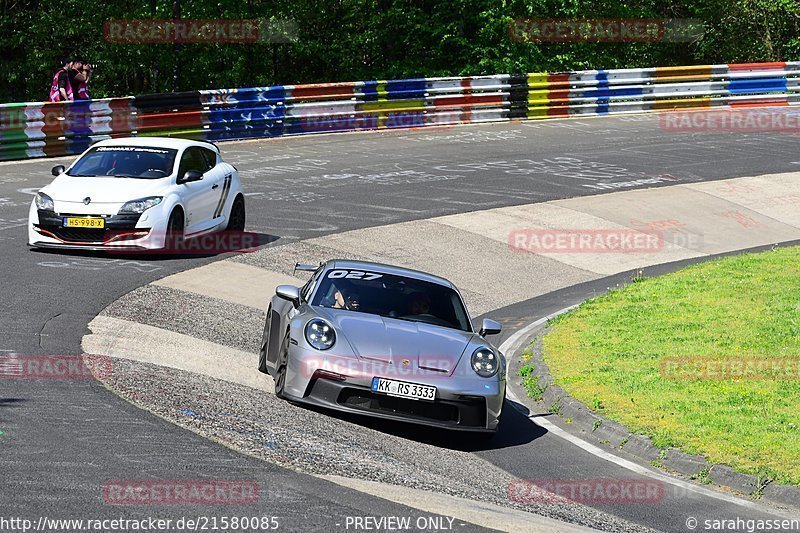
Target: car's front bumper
x,y
120,232
466,413
463,401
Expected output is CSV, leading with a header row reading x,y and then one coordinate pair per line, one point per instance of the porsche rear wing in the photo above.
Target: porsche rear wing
x,y
303,267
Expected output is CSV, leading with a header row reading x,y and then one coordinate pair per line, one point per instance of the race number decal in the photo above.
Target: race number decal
x,y
353,274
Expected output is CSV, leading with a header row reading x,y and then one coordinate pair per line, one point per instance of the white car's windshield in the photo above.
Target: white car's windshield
x,y
393,297
143,162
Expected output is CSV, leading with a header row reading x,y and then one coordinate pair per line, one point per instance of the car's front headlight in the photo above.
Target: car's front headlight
x,y
141,205
320,334
44,202
485,362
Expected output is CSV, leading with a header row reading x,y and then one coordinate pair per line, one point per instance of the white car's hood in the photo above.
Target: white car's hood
x,y
106,194
103,189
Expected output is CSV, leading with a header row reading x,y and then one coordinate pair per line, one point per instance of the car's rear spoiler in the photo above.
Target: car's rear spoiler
x,y
305,267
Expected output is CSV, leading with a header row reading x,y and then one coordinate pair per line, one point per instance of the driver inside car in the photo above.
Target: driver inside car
x,y
419,303
345,297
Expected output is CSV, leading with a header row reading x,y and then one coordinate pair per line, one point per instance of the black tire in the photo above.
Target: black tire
x,y
174,237
238,216
262,354
502,412
280,372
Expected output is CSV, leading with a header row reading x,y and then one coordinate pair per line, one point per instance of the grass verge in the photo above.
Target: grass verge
x,y
681,358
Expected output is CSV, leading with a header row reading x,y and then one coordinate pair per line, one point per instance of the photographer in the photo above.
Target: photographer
x,y
81,91
77,79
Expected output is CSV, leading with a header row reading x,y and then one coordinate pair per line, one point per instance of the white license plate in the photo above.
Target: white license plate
x,y
403,389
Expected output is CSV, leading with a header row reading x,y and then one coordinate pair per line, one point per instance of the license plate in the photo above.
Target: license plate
x,y
84,222
403,389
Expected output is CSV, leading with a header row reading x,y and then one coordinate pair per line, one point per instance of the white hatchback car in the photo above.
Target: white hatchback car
x,y
137,193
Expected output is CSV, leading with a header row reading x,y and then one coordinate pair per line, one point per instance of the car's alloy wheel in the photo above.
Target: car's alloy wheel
x,y
262,354
280,373
237,219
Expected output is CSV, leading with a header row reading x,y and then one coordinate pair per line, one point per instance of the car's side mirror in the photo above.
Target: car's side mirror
x,y
189,176
58,170
490,327
289,293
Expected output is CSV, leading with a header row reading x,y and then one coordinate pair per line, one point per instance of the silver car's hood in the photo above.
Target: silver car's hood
x,y
390,340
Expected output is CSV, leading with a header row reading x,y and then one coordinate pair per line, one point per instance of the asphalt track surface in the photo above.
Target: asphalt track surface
x,y
62,440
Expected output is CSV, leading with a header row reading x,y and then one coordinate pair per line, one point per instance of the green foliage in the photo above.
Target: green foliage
x,y
531,382
525,371
344,40
703,476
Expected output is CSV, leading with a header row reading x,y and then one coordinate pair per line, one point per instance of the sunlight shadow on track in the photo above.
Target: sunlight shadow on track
x,y
515,429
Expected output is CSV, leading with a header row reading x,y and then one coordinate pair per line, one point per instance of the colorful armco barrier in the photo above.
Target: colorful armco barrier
x,y
30,130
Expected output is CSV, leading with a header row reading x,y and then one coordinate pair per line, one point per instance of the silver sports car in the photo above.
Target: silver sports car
x,y
383,341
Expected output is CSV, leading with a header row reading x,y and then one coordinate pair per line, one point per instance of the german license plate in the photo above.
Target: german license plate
x,y
403,389
84,222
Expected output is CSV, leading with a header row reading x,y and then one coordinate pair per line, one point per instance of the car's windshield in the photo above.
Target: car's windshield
x,y
392,296
143,162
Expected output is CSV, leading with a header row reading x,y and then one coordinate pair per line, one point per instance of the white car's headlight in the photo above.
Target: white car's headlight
x,y
141,205
44,202
485,362
320,334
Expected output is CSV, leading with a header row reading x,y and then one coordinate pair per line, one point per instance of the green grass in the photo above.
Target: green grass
x,y
607,352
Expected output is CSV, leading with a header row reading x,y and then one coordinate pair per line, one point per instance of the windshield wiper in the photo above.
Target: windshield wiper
x,y
83,175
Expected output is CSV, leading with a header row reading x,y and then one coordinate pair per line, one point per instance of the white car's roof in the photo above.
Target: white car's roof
x,y
160,142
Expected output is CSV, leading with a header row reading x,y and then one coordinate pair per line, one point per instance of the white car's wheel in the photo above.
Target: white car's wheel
x,y
236,221
174,235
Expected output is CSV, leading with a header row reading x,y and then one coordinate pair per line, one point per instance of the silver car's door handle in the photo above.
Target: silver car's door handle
x,y
216,185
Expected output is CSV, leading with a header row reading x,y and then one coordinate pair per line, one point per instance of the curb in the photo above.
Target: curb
x,y
616,436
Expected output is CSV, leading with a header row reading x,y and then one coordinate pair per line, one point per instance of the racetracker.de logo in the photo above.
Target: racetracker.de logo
x,y
55,366
331,366
724,368
732,120
218,242
623,30
187,492
199,31
594,241
586,491
363,120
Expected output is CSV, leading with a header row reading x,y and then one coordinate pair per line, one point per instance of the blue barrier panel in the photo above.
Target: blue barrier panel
x,y
400,89
78,119
759,85
245,132
393,89
608,92
235,97
214,117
